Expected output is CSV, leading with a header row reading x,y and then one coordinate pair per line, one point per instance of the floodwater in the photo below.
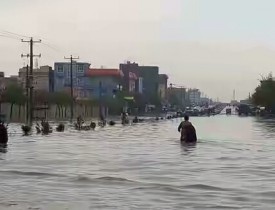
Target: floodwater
x,y
143,167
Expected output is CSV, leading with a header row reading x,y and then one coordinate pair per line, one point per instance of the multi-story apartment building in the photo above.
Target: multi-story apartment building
x,y
43,78
62,77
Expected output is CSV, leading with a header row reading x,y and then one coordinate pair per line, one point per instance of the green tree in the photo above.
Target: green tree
x,y
41,97
86,103
41,100
62,100
114,104
264,94
14,94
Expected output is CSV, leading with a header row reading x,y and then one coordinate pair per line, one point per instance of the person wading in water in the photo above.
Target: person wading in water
x,y
188,132
3,134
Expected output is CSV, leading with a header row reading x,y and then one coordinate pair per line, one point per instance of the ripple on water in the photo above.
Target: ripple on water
x,y
143,166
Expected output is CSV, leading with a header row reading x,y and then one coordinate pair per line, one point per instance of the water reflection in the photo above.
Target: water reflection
x,y
3,148
188,147
145,165
265,124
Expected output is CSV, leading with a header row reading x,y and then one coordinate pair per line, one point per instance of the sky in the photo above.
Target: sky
x,y
214,45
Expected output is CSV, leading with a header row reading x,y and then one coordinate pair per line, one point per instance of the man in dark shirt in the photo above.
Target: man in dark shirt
x,y
188,132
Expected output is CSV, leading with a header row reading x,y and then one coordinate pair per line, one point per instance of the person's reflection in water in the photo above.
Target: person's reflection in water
x,y
188,147
3,148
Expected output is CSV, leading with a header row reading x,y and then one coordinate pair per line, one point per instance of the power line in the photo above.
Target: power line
x,y
14,34
11,37
71,58
50,46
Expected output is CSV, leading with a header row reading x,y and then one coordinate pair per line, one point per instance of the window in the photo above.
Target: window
x,y
60,69
132,86
80,69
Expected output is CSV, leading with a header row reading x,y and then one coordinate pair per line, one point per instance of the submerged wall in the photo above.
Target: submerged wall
x,y
53,113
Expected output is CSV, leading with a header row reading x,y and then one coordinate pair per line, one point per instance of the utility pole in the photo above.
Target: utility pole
x,y
71,58
100,102
27,93
30,79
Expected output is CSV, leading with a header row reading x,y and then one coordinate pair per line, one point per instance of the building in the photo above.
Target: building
x,y
102,82
43,78
62,77
7,81
204,101
162,87
194,96
131,80
177,97
150,82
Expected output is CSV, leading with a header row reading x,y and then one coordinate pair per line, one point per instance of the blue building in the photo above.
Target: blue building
x,y
87,82
62,77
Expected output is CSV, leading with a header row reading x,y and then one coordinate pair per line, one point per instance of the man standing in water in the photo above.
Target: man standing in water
x,y
188,132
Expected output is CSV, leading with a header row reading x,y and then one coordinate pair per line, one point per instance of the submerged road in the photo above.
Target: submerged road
x,y
143,166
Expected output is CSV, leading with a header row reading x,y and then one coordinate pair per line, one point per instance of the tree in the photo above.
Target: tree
x,y
86,103
14,94
61,100
41,97
41,100
114,104
264,94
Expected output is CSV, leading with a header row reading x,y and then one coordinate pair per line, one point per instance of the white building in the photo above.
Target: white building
x,y
194,96
42,78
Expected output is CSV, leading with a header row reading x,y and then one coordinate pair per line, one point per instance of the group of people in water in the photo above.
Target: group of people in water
x,y
79,125
44,128
187,130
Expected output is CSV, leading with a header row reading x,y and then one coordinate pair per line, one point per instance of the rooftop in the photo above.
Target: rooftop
x,y
104,72
163,76
42,69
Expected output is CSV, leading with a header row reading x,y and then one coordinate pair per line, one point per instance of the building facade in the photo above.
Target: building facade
x,y
150,89
162,87
177,97
194,96
102,82
131,81
43,78
62,77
